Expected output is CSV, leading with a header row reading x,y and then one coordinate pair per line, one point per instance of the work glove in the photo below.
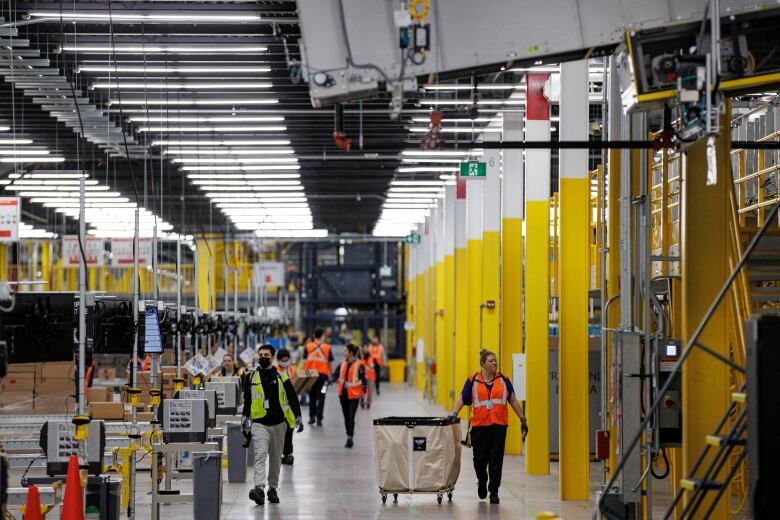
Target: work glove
x,y
452,416
246,431
298,424
524,429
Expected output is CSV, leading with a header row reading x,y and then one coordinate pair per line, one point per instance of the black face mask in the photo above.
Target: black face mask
x,y
265,362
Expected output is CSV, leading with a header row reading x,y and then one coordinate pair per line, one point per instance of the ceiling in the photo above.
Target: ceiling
x,y
136,65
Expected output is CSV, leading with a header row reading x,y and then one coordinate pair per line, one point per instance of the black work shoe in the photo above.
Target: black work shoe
x,y
319,422
349,443
311,421
274,498
258,495
494,498
288,460
482,490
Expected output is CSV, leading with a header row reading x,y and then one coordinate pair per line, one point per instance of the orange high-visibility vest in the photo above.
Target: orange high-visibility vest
x,y
376,353
489,407
317,355
370,368
289,370
350,378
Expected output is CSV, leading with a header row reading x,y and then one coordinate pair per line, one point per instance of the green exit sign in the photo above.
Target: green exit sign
x,y
414,238
473,170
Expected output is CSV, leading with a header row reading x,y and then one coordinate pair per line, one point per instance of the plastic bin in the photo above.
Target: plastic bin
x,y
206,485
417,455
396,370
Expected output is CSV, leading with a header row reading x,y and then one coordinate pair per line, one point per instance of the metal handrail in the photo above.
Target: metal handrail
x,y
692,343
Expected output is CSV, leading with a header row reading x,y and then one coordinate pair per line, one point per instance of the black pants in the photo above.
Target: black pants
x,y
378,377
488,445
288,448
349,409
317,399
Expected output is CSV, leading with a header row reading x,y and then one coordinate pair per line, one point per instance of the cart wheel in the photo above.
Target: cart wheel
x,y
384,499
449,496
395,497
439,498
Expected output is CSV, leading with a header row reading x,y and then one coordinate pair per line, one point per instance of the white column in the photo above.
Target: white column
x,y
513,169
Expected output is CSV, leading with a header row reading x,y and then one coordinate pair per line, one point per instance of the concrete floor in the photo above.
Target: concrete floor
x,y
331,482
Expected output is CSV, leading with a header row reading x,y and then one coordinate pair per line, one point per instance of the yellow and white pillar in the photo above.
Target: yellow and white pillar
x,y
447,371
574,279
463,366
442,353
491,247
474,254
512,265
537,287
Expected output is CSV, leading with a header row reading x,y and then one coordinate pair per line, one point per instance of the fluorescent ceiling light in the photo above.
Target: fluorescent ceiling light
x,y
206,119
229,151
226,142
442,153
227,129
247,183
428,169
236,160
16,141
24,152
267,167
164,85
421,189
244,176
57,182
409,196
416,183
35,159
53,175
74,189
149,69
417,160
198,102
74,194
151,16
4,128
164,49
247,187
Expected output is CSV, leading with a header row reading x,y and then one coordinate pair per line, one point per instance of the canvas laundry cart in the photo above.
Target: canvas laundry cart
x,y
417,455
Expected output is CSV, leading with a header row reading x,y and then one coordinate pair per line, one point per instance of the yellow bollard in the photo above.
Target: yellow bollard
x,y
547,515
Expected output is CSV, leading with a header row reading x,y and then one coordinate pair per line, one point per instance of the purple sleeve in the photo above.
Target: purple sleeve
x,y
465,394
510,390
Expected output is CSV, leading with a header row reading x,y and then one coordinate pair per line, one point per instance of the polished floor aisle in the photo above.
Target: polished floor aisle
x,y
331,482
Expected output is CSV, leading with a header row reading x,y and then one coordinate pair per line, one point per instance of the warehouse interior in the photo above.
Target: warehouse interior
x,y
582,195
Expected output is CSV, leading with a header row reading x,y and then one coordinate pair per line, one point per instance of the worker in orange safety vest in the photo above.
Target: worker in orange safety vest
x,y
378,354
318,356
490,394
352,382
368,362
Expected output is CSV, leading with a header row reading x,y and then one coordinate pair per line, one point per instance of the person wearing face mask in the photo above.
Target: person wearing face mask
x,y
270,407
490,395
351,377
284,366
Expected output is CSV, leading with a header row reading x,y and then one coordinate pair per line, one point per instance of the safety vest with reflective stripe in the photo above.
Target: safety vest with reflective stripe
x,y
370,368
317,355
351,380
489,406
289,370
258,409
376,353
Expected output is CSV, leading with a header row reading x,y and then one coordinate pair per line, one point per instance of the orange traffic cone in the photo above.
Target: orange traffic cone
x,y
32,511
72,504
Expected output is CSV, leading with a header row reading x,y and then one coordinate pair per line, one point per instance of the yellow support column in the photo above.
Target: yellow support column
x,y
206,283
461,294
574,278
46,263
422,312
537,287
410,308
491,249
447,371
512,268
442,354
474,254
704,234
4,262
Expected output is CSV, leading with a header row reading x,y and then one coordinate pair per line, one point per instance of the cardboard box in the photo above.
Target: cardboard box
x,y
140,416
303,380
59,370
19,381
99,394
107,411
106,373
56,386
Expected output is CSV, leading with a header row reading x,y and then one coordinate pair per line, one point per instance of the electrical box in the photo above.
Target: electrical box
x,y
670,409
184,420
58,444
211,399
227,395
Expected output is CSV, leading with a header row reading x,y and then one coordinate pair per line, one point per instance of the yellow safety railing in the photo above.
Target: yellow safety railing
x,y
665,213
555,234
756,180
596,211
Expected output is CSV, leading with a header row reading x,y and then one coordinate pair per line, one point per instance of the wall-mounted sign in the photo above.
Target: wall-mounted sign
x,y
122,252
268,274
94,251
10,208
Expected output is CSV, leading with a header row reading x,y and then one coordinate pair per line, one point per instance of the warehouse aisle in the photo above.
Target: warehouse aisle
x,y
330,482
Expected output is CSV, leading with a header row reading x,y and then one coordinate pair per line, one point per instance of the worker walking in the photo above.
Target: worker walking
x,y
352,384
284,366
378,355
270,407
368,362
488,392
318,356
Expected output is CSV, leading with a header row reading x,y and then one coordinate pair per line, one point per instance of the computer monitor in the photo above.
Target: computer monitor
x,y
152,338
